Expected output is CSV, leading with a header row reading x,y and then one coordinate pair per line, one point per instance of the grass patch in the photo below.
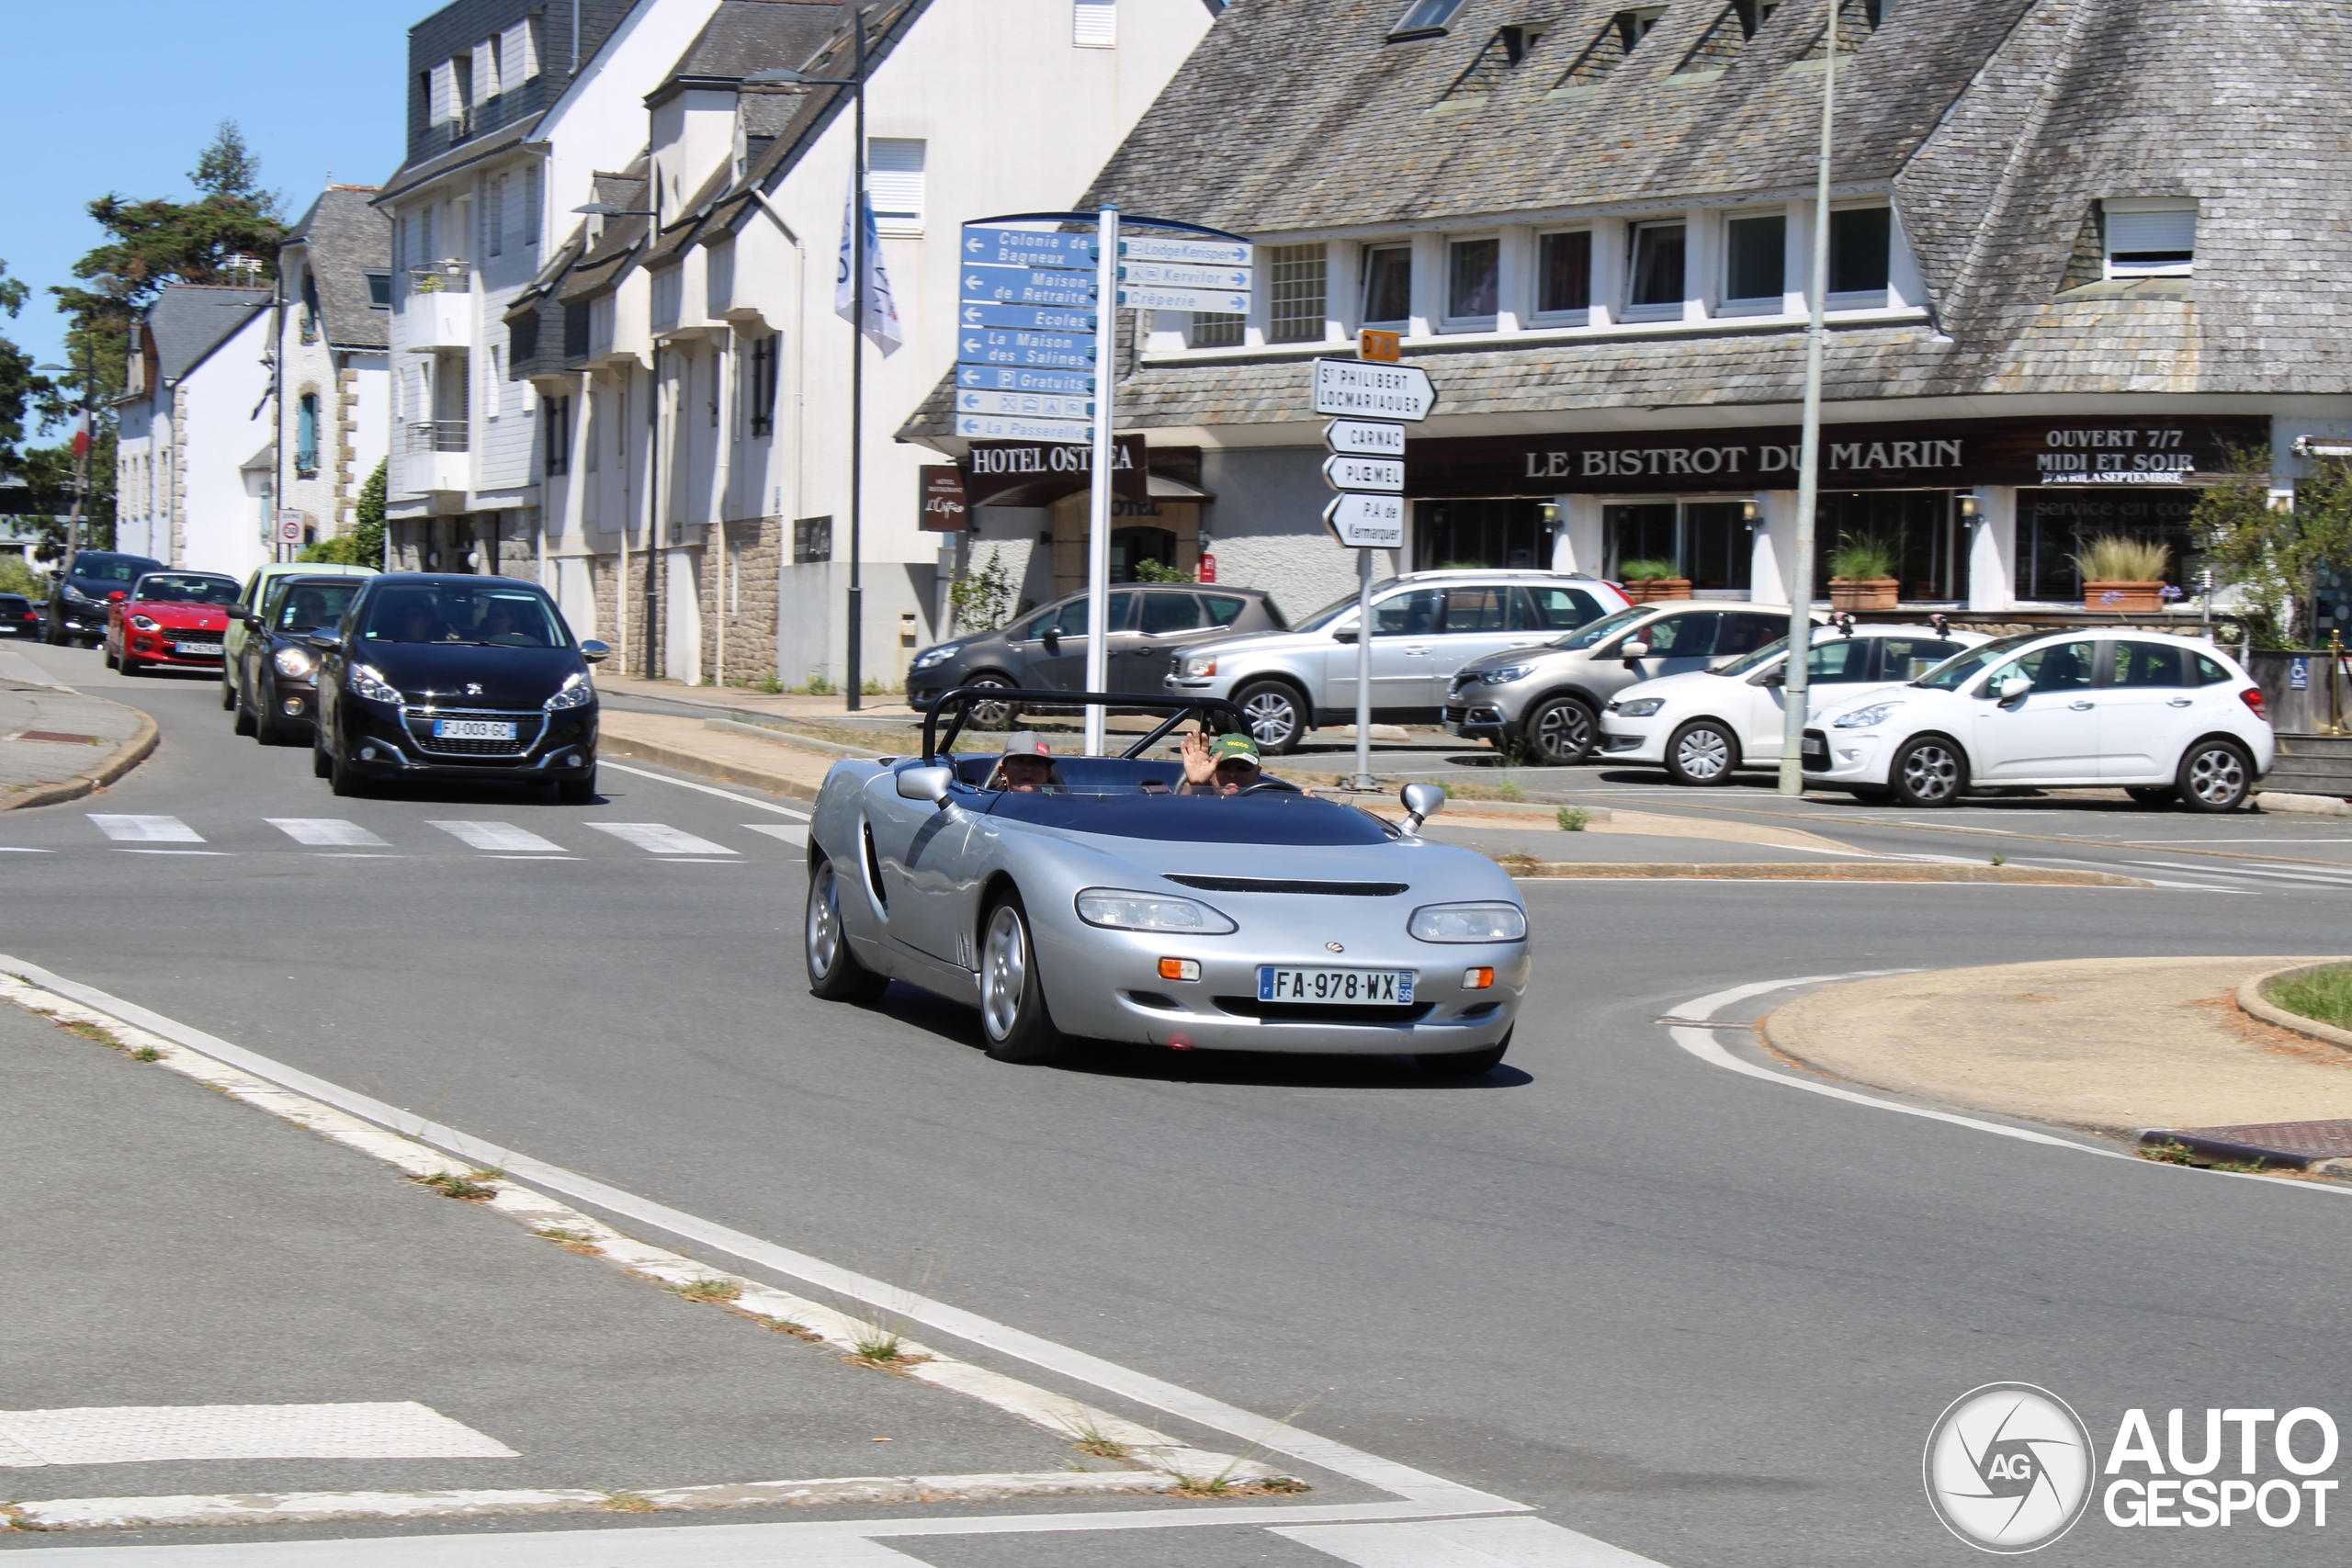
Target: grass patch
x,y
89,1032
708,1290
146,1054
1999,858
2325,995
571,1241
1088,1437
1520,864
1572,818
451,1185
630,1503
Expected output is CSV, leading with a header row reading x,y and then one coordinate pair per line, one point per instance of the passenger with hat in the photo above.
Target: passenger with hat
x,y
1027,765
1226,765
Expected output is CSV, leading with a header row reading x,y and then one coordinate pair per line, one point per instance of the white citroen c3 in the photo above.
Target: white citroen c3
x,y
2169,719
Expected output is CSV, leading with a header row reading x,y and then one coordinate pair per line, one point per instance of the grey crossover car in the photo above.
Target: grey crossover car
x,y
1149,623
1549,699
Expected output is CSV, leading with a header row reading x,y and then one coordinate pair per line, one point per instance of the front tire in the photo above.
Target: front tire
x,y
322,765
1563,731
834,973
581,791
1276,715
984,713
1013,995
2215,775
110,661
1468,1064
227,696
1928,770
244,724
342,777
1703,751
267,730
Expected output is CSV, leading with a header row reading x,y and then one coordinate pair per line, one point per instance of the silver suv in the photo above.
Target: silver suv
x,y
1426,624
1549,701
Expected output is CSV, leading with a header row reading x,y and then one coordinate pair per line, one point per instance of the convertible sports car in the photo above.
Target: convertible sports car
x,y
1110,909
169,620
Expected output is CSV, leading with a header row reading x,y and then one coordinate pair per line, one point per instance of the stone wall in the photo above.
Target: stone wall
x,y
746,610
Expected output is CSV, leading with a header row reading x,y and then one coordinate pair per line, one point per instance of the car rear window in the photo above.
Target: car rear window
x,y
1224,609
1551,609
1164,613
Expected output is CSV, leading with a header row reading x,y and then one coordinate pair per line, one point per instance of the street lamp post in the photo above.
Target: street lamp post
x,y
1796,684
855,82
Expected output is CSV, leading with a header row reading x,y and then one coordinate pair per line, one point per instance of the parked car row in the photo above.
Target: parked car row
x,y
1559,669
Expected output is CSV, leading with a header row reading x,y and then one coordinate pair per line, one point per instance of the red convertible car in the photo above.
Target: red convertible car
x,y
171,620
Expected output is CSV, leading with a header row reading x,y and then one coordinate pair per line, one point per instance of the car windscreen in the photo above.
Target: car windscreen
x,y
493,616
1272,817
1602,629
185,588
1748,663
1958,670
296,605
98,567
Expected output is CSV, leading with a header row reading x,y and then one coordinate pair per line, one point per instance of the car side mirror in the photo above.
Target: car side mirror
x,y
1422,801
595,652
930,784
1635,650
1773,677
1345,634
325,642
2013,689
252,621
1052,638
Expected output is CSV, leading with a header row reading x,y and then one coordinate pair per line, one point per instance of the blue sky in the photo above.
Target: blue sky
x,y
123,94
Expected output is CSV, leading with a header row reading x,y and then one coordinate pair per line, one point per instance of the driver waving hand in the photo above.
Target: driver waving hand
x,y
1227,766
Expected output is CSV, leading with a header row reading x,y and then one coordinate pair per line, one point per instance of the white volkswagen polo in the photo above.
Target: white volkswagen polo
x,y
2165,718
1703,725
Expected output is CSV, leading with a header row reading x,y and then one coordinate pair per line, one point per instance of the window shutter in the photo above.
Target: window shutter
x,y
486,71
2172,234
894,182
494,217
518,54
442,97
1094,23
531,205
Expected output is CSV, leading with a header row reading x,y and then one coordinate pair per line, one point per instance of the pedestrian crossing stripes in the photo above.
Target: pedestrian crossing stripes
x,y
1516,1541
335,837
790,832
499,837
325,830
146,829
659,838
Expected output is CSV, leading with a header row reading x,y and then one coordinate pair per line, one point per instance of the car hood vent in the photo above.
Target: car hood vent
x,y
1287,884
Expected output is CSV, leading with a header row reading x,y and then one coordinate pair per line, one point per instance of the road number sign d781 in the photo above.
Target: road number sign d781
x,y
1367,521
1378,475
1377,391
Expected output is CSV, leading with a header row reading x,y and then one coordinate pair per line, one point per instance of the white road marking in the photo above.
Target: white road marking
x,y
146,829
789,833
121,850
1513,1541
21,850
147,1433
660,839
2324,878
708,789
324,830
496,836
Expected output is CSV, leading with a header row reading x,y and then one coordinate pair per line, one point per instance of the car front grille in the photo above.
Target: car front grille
x,y
1283,885
527,724
1318,1012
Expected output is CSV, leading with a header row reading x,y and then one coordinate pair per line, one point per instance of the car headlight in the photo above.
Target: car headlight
x,y
368,683
294,663
575,692
144,623
75,596
1124,911
1200,666
1497,921
931,656
1640,707
1505,675
1863,718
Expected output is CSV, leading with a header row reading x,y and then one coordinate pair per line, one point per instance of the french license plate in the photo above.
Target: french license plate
x,y
1348,987
1815,748
472,729
203,649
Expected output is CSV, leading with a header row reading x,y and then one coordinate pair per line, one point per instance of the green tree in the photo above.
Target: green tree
x,y
2276,553
364,546
17,383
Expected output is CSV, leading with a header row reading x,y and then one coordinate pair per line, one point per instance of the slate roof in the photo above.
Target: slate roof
x,y
1998,125
473,150
345,235
188,320
744,35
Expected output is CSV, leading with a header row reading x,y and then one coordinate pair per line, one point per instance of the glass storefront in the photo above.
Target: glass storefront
x,y
2056,525
1508,533
1922,527
1710,542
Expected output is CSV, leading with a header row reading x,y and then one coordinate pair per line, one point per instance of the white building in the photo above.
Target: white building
x,y
700,377
194,452
333,417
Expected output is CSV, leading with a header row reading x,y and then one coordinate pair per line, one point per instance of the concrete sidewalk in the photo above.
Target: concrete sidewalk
x,y
59,744
2112,1045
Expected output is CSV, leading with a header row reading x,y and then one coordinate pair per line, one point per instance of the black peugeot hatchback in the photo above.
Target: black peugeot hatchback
x,y
431,676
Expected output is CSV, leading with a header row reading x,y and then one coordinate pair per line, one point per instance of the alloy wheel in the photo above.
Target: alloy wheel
x,y
1004,971
989,714
2216,776
1930,771
1564,732
824,921
1272,718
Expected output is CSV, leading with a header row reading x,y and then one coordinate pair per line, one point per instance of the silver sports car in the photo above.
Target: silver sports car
x,y
1110,909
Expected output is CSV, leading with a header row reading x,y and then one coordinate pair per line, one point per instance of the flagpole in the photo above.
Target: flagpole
x,y
857,379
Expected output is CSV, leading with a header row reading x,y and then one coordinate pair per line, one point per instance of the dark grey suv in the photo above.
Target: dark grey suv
x,y
1147,623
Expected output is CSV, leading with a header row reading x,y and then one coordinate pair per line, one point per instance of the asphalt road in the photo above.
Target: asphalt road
x,y
1707,1319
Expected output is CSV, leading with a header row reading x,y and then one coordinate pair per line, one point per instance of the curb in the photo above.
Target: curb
x,y
797,741
127,756
1822,871
2315,805
704,767
2252,1001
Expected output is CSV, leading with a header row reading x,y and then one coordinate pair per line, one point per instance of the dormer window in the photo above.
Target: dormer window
x,y
1617,39
1634,26
2150,237
1424,19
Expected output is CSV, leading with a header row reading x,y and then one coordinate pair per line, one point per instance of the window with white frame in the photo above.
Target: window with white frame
x,y
1094,23
2150,236
1424,19
1387,286
1756,261
1296,301
1473,276
1564,277
1861,255
894,182
1654,281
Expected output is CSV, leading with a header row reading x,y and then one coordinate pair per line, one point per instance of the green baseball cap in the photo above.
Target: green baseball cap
x,y
1235,749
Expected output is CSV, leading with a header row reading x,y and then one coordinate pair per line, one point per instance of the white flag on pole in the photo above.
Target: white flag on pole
x,y
881,322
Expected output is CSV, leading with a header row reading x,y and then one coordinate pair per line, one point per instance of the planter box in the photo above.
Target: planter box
x,y
1868,593
2129,598
1657,587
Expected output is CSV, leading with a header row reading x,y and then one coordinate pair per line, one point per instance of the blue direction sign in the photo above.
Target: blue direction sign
x,y
1168,275
1026,285
987,246
1028,318
1151,298
1031,405
1012,427
1197,252
1046,351
1023,378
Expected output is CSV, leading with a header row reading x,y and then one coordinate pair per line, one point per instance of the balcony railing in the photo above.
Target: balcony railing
x,y
440,278
436,435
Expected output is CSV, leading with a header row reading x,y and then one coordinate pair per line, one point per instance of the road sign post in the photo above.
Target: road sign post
x,y
1367,467
1098,508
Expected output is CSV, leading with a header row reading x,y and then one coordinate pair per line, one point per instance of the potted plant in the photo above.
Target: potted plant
x,y
2126,576
1650,580
1861,575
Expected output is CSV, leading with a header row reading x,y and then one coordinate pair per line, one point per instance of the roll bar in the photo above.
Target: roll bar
x,y
1208,708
